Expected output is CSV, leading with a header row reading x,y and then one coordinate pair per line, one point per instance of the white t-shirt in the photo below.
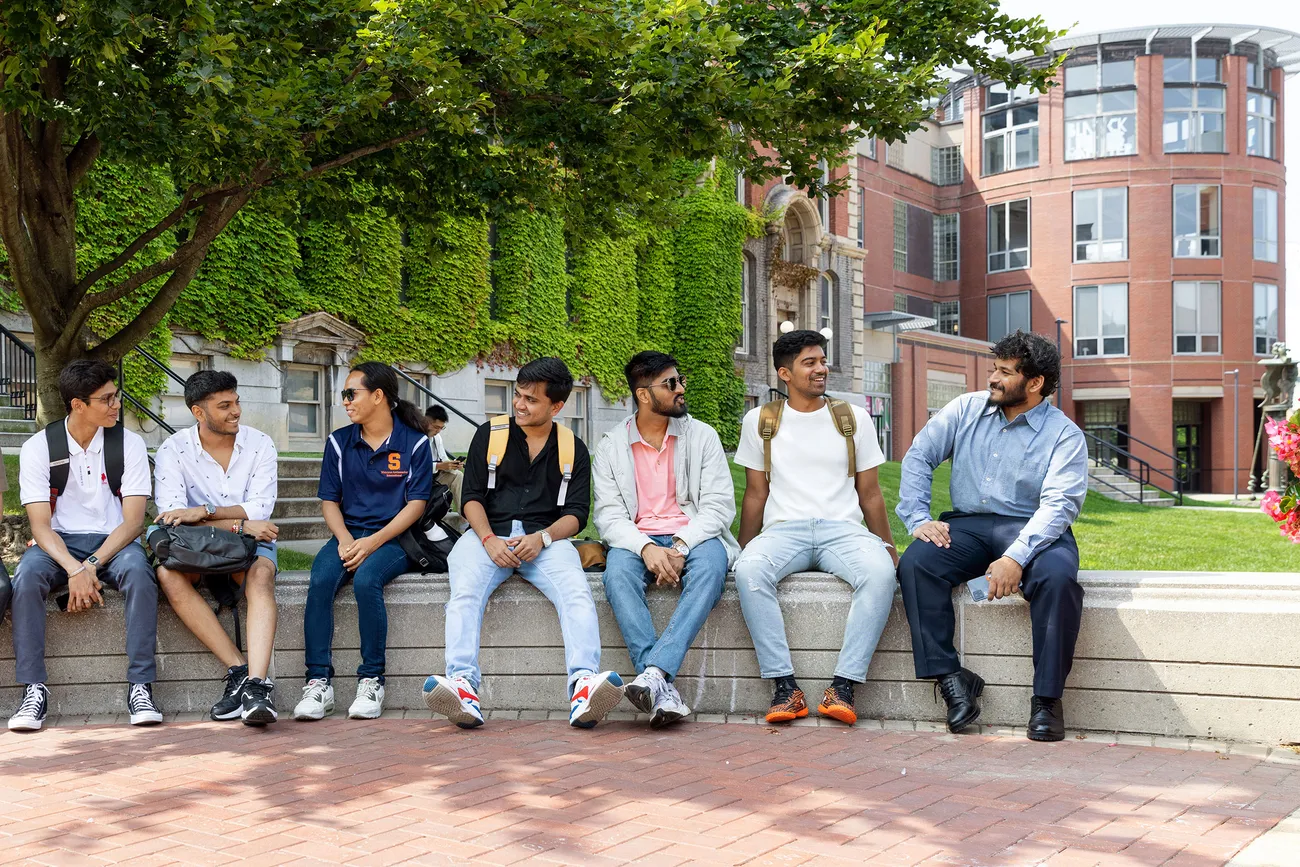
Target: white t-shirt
x,y
87,504
810,473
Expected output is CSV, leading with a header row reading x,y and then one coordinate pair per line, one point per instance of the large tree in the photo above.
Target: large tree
x,y
447,105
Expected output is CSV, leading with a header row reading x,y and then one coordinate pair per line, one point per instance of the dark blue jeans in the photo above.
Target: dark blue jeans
x,y
368,582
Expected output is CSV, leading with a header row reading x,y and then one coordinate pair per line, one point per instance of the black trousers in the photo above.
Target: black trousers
x,y
1050,583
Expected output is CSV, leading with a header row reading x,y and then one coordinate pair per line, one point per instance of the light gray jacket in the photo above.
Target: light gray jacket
x,y
704,488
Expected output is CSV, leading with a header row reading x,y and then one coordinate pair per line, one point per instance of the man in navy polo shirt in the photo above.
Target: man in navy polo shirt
x,y
385,458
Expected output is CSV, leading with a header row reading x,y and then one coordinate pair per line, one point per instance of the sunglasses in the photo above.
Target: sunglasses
x,y
671,383
350,394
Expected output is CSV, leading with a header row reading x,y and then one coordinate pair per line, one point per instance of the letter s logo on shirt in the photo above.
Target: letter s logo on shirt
x,y
395,462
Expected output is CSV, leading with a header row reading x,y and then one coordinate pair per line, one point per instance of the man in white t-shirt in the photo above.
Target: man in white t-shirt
x,y
86,524
810,512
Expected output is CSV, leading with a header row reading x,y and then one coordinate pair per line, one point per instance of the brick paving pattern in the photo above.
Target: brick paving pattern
x,y
393,791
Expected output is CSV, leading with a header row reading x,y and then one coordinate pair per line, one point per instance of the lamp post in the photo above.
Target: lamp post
x,y
1236,411
1059,323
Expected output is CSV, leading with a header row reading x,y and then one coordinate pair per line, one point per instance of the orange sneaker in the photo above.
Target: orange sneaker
x,y
838,704
787,706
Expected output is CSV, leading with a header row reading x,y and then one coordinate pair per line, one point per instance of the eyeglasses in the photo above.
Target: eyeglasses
x,y
670,383
114,399
350,394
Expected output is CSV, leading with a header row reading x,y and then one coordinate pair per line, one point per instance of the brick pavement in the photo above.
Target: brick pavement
x,y
412,791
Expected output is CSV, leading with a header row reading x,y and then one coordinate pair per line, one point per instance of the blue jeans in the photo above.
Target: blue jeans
x,y
128,572
368,582
849,551
556,571
626,580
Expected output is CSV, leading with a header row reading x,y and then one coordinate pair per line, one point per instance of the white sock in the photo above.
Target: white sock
x,y
654,669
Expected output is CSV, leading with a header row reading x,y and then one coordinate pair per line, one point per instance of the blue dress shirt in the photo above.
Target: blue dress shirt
x,y
1035,467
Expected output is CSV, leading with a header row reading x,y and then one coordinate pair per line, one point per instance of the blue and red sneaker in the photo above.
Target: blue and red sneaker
x,y
455,699
594,695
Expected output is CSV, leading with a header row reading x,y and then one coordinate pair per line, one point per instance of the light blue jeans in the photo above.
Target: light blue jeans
x,y
556,571
626,580
848,551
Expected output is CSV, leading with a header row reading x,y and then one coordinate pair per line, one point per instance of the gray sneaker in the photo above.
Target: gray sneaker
x,y
668,706
643,690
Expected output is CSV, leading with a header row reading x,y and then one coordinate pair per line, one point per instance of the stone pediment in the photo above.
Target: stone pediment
x,y
322,328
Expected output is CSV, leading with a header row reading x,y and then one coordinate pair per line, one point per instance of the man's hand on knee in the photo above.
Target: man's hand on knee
x,y
1004,577
935,532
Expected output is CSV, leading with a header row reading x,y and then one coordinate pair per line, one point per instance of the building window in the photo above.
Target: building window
x,y
407,390
900,236
875,377
302,395
746,305
1101,225
826,311
894,156
824,200
1009,236
574,414
740,188
871,148
185,366
947,317
1007,314
953,107
1260,108
1265,224
1100,110
1196,318
1196,220
1194,103
942,388
900,302
862,218
496,397
1101,320
945,165
1265,318
946,246
1010,129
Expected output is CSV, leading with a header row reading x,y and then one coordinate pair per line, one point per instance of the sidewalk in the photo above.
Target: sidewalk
x,y
409,790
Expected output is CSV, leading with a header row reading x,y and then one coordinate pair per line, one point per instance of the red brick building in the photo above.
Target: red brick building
x,y
1135,209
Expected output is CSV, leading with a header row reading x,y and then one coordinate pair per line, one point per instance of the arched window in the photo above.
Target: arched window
x,y
747,274
826,298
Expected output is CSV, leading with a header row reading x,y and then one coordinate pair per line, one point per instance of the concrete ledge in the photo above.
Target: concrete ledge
x,y
1205,655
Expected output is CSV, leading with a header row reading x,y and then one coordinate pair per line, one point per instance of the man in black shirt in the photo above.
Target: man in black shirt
x,y
522,508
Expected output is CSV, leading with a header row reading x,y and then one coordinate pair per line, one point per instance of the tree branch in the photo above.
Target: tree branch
x,y
339,162
81,158
131,250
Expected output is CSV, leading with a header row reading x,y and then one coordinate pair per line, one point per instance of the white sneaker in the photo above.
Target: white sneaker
x,y
594,695
455,699
30,715
641,692
669,707
317,701
369,703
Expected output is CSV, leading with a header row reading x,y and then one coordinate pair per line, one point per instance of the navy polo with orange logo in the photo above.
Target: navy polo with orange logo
x,y
372,485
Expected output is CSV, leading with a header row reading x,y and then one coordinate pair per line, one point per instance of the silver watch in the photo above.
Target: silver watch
x,y
681,547
546,539
210,509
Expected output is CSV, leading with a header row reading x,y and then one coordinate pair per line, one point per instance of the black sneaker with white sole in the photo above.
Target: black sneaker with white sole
x,y
231,703
141,706
259,706
30,715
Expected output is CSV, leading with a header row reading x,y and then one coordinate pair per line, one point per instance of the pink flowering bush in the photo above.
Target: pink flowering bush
x,y
1284,507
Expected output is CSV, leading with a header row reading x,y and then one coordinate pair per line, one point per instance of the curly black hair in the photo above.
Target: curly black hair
x,y
1034,355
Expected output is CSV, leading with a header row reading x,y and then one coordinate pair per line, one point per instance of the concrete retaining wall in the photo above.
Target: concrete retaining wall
x,y
1211,655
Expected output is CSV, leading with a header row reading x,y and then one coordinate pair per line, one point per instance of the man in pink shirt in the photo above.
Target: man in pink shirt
x,y
664,505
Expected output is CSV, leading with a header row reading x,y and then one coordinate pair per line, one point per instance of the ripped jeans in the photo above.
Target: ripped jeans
x,y
847,550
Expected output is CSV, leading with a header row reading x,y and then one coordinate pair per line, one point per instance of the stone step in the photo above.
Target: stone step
x,y
296,507
294,487
23,426
12,442
1150,499
302,528
299,468
12,412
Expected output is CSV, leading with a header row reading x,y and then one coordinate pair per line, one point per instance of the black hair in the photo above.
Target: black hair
x,y
82,378
788,346
378,376
553,372
1034,355
202,385
437,412
645,366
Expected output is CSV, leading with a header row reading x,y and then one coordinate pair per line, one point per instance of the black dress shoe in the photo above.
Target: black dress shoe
x,y
961,691
1046,719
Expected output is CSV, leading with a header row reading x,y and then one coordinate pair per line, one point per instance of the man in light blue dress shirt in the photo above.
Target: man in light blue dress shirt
x,y
1019,477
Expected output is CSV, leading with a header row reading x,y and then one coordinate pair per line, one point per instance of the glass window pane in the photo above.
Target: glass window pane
x,y
1185,343
995,121
1177,132
302,418
1209,308
1209,343
1207,69
1114,310
1026,147
1024,114
1081,77
302,384
1085,347
1080,106
1185,309
1087,321
1113,213
1080,139
1210,97
1178,68
997,228
997,317
1119,100
1017,312
994,160
1211,139
1178,97
1119,135
997,94
1208,207
1117,73
1019,223
1115,346
1086,216
496,398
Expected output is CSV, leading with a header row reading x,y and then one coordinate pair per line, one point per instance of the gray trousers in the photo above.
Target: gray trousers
x,y
128,572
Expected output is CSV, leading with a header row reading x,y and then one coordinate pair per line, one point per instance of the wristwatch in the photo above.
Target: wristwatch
x,y
211,509
93,561
681,547
546,539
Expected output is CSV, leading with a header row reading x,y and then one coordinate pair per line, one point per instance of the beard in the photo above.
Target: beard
x,y
1008,398
673,409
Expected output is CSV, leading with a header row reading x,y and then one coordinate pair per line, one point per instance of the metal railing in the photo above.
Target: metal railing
x,y
429,394
138,407
1138,470
18,372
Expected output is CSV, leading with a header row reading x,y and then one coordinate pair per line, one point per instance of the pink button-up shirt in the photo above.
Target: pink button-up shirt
x,y
657,512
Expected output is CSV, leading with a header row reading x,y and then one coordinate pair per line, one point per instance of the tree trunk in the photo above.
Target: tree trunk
x,y
49,361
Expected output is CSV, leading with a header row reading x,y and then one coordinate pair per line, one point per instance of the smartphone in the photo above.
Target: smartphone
x,y
979,588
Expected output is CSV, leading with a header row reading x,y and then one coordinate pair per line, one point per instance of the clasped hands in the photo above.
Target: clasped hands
x,y
665,564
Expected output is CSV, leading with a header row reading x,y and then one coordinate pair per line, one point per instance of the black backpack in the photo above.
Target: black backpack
x,y
56,438
426,555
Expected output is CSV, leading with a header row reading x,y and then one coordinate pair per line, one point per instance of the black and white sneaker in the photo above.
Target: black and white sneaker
x,y
30,715
231,703
258,707
140,704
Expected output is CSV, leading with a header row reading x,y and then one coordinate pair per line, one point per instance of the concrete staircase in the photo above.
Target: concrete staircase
x,y
1114,486
297,511
14,429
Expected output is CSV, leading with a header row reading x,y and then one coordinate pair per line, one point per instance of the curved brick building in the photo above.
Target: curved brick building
x,y
1136,209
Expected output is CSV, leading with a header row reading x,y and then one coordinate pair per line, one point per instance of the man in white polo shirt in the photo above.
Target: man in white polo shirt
x,y
225,475
86,507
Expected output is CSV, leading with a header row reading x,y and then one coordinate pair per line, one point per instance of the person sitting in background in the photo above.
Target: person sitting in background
x,y
449,470
223,474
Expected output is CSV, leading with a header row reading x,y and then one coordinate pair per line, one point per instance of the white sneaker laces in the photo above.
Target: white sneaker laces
x,y
315,690
32,698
